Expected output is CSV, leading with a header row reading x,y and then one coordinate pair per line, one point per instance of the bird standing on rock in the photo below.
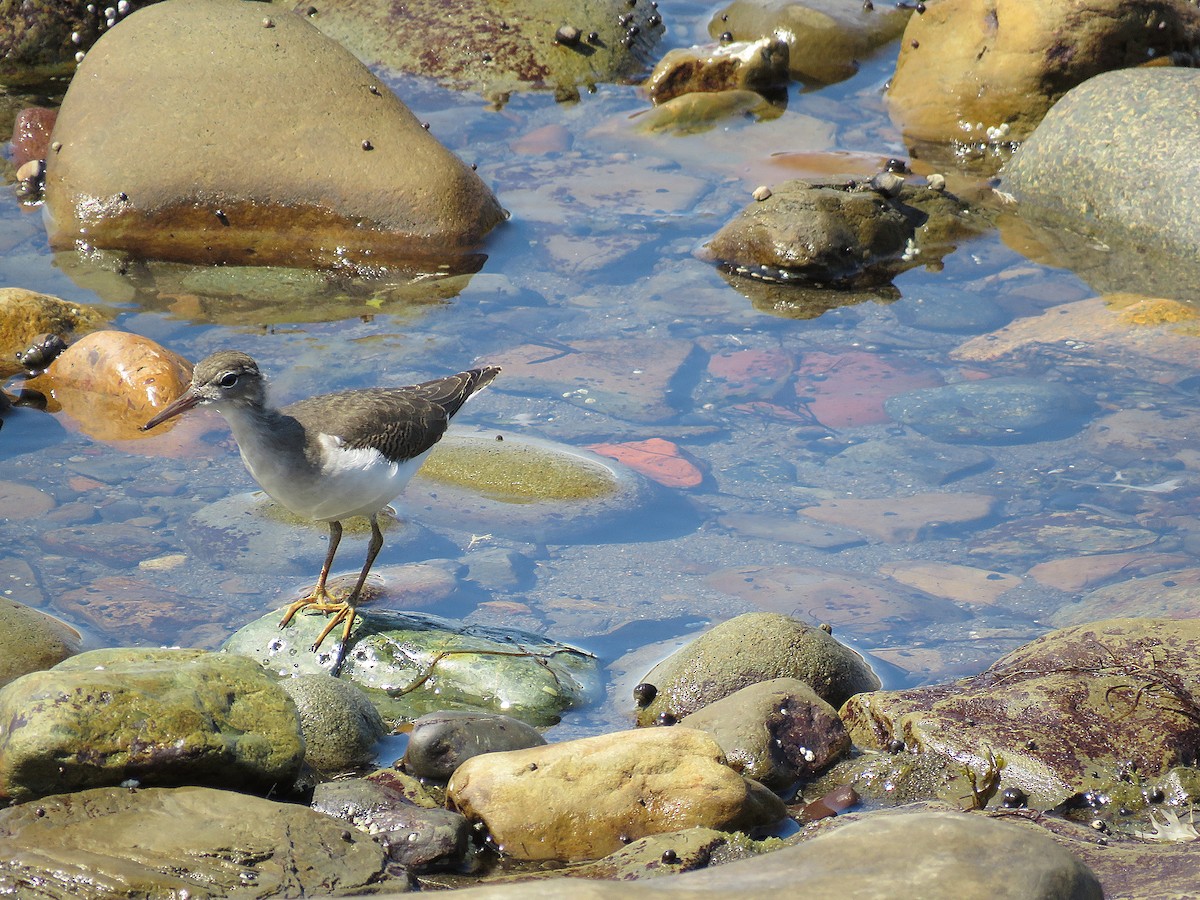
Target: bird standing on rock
x,y
329,457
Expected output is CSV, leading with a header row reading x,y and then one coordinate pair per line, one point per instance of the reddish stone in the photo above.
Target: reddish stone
x,y
31,134
847,390
655,458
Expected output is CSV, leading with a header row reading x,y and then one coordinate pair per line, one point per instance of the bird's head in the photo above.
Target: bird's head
x,y
227,379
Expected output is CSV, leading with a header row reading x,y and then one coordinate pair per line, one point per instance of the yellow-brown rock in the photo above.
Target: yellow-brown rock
x,y
26,314
986,71
586,798
111,382
247,137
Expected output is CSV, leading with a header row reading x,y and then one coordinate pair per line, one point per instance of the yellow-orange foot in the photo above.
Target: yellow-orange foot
x,y
319,600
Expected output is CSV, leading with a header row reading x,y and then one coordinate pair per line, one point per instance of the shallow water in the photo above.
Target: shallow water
x,y
597,268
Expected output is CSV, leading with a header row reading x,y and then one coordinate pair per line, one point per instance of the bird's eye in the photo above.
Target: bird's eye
x,y
228,380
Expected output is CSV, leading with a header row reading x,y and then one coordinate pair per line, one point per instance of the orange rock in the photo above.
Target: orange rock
x,y
846,390
111,382
655,458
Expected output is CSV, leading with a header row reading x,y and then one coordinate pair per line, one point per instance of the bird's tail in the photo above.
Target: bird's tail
x,y
453,391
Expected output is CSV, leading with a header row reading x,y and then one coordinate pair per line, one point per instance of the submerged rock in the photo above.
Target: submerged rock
x,y
304,159
156,717
584,799
197,842
746,650
745,65
412,663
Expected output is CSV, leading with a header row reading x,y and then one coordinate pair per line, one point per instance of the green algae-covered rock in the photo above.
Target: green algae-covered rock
x,y
158,717
31,640
411,663
749,649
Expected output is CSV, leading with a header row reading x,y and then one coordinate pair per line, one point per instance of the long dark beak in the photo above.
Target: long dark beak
x,y
186,401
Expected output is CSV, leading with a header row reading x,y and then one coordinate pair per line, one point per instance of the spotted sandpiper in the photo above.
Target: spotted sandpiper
x,y
331,456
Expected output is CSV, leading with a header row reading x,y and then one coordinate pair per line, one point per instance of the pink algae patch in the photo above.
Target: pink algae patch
x,y
655,458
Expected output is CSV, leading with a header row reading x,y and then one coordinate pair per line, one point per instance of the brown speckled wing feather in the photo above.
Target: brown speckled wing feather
x,y
398,422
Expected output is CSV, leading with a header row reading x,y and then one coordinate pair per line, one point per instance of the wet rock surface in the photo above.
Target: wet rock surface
x,y
583,799
746,65
414,663
419,838
440,742
495,48
160,717
305,103
1084,169
826,38
25,314
746,650
974,71
844,236
31,641
777,732
1074,711
158,842
339,725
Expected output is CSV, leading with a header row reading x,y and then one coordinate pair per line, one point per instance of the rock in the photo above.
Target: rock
x,y
701,111
1021,542
995,411
777,732
848,389
903,519
826,38
189,841
657,459
1167,595
340,173
583,799
31,641
117,606
416,837
39,41
838,235
1084,169
31,135
749,649
26,314
442,741
934,854
414,663
339,724
974,71
111,382
760,66
497,48
157,717
1075,710
525,489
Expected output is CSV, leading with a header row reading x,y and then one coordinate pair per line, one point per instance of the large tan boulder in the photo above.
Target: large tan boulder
x,y
983,71
586,798
245,136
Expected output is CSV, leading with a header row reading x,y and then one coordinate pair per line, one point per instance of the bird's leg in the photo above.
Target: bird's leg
x,y
319,598
346,611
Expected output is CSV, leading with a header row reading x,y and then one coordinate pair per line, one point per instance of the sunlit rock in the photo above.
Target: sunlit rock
x,y
191,841
699,111
24,315
40,41
1106,706
494,47
826,38
304,159
760,66
338,722
442,741
584,799
111,382
31,640
986,71
746,650
159,717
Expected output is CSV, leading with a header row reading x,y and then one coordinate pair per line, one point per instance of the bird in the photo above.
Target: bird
x,y
328,457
